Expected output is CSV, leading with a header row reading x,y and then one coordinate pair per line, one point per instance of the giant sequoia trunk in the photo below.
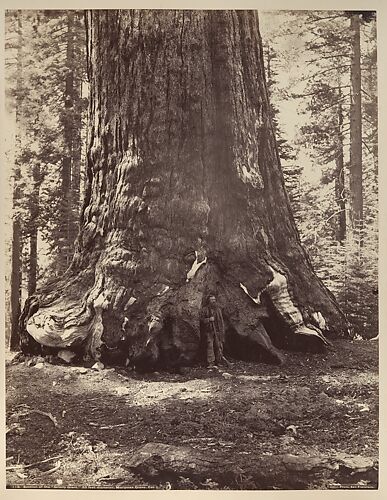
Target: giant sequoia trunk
x,y
185,196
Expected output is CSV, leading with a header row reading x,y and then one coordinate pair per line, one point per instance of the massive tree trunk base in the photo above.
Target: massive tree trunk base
x,y
160,328
184,196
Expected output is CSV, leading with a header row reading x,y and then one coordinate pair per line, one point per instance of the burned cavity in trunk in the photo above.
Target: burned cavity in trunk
x,y
185,195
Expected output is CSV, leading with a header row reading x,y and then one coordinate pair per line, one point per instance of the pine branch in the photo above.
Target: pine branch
x,y
320,41
298,96
314,61
344,130
368,121
334,68
59,30
313,21
331,216
367,94
366,145
333,104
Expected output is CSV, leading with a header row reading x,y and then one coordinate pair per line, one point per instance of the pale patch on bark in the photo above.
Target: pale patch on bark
x,y
306,330
101,302
250,175
154,324
88,232
95,339
279,294
320,320
264,236
120,296
257,300
60,325
66,324
195,266
278,291
130,161
164,290
124,323
136,202
131,301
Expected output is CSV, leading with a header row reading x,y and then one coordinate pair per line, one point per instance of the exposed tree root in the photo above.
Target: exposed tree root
x,y
160,328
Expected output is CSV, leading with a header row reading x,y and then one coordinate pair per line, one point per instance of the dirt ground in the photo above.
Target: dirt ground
x,y
72,427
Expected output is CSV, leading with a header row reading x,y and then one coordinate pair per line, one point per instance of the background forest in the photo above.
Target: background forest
x,y
321,71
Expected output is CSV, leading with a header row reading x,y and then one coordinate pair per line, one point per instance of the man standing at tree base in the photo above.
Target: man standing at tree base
x,y
213,328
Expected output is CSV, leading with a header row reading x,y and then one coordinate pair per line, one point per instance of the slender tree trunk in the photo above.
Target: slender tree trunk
x,y
33,261
16,273
340,179
77,130
269,57
16,263
76,164
66,244
356,167
33,235
185,196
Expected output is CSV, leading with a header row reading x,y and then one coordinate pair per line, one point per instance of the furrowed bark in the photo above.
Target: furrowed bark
x,y
185,195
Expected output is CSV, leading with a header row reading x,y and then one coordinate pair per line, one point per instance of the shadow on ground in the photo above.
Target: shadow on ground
x,y
240,428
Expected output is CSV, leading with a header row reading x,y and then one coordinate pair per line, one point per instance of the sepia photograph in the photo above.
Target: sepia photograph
x,y
191,227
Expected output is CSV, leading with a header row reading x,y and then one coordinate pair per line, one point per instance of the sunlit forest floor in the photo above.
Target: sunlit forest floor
x,y
311,423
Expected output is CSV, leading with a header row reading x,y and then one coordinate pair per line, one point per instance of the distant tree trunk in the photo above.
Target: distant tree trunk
x,y
185,196
33,231
76,164
66,244
356,167
16,272
77,129
269,82
16,263
341,226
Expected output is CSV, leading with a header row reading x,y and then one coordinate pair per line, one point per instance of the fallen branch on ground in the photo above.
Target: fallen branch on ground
x,y
112,426
49,415
21,466
26,411
108,479
52,470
